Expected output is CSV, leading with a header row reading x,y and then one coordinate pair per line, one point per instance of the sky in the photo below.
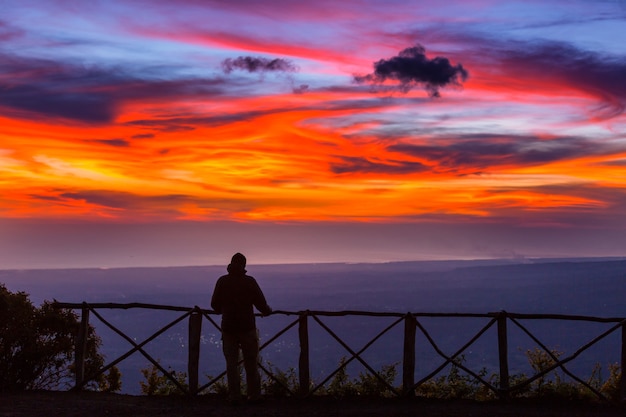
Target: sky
x,y
160,133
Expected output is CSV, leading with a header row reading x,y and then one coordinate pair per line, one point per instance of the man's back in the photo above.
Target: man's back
x,y
234,297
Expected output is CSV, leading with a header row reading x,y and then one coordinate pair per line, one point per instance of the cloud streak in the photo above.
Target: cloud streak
x,y
50,89
258,64
60,90
117,143
486,151
263,65
351,165
597,74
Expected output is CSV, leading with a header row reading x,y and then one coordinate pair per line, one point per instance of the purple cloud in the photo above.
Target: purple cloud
x,y
258,64
122,200
59,90
350,164
52,102
481,151
603,76
118,143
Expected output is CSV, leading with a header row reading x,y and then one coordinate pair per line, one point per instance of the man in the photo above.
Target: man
x,y
234,297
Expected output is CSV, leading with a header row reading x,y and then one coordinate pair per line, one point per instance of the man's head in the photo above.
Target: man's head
x,y
237,264
239,260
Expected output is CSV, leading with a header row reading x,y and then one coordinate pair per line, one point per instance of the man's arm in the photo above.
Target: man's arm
x,y
259,300
216,300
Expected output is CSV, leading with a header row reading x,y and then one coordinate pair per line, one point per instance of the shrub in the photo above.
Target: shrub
x,y
111,382
220,386
158,384
457,385
611,387
366,384
341,385
373,386
540,361
282,384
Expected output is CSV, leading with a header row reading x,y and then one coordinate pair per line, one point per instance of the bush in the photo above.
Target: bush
x,y
457,385
370,385
158,384
220,386
37,346
282,384
611,387
111,382
341,385
366,384
550,386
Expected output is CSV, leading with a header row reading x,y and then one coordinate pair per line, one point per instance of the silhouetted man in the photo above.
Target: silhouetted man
x,y
234,297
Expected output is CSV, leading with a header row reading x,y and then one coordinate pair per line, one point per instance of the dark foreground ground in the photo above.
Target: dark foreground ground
x,y
68,404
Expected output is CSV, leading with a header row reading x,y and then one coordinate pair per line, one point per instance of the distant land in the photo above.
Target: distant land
x,y
581,286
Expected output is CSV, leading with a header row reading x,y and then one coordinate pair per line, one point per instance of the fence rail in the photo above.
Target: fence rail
x,y
411,322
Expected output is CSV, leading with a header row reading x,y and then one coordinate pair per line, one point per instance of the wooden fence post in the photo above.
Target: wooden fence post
x,y
408,360
303,362
195,329
81,347
503,355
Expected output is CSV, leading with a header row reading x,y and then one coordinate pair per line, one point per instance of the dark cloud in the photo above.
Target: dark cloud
x,y
118,143
264,65
412,68
51,102
484,151
168,125
122,200
187,123
549,64
258,64
600,75
350,164
49,89
165,203
144,136
539,63
301,89
59,90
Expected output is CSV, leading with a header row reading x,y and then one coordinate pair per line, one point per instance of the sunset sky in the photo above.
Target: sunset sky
x,y
138,133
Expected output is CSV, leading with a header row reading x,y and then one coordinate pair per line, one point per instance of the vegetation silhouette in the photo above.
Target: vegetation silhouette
x,y
455,385
37,347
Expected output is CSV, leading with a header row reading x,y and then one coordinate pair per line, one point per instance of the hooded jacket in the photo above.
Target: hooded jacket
x,y
235,296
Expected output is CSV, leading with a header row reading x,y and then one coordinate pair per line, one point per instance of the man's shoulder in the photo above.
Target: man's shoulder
x,y
222,278
246,277
249,281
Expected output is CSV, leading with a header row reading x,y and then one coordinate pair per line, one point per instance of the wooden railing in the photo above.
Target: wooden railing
x,y
411,321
